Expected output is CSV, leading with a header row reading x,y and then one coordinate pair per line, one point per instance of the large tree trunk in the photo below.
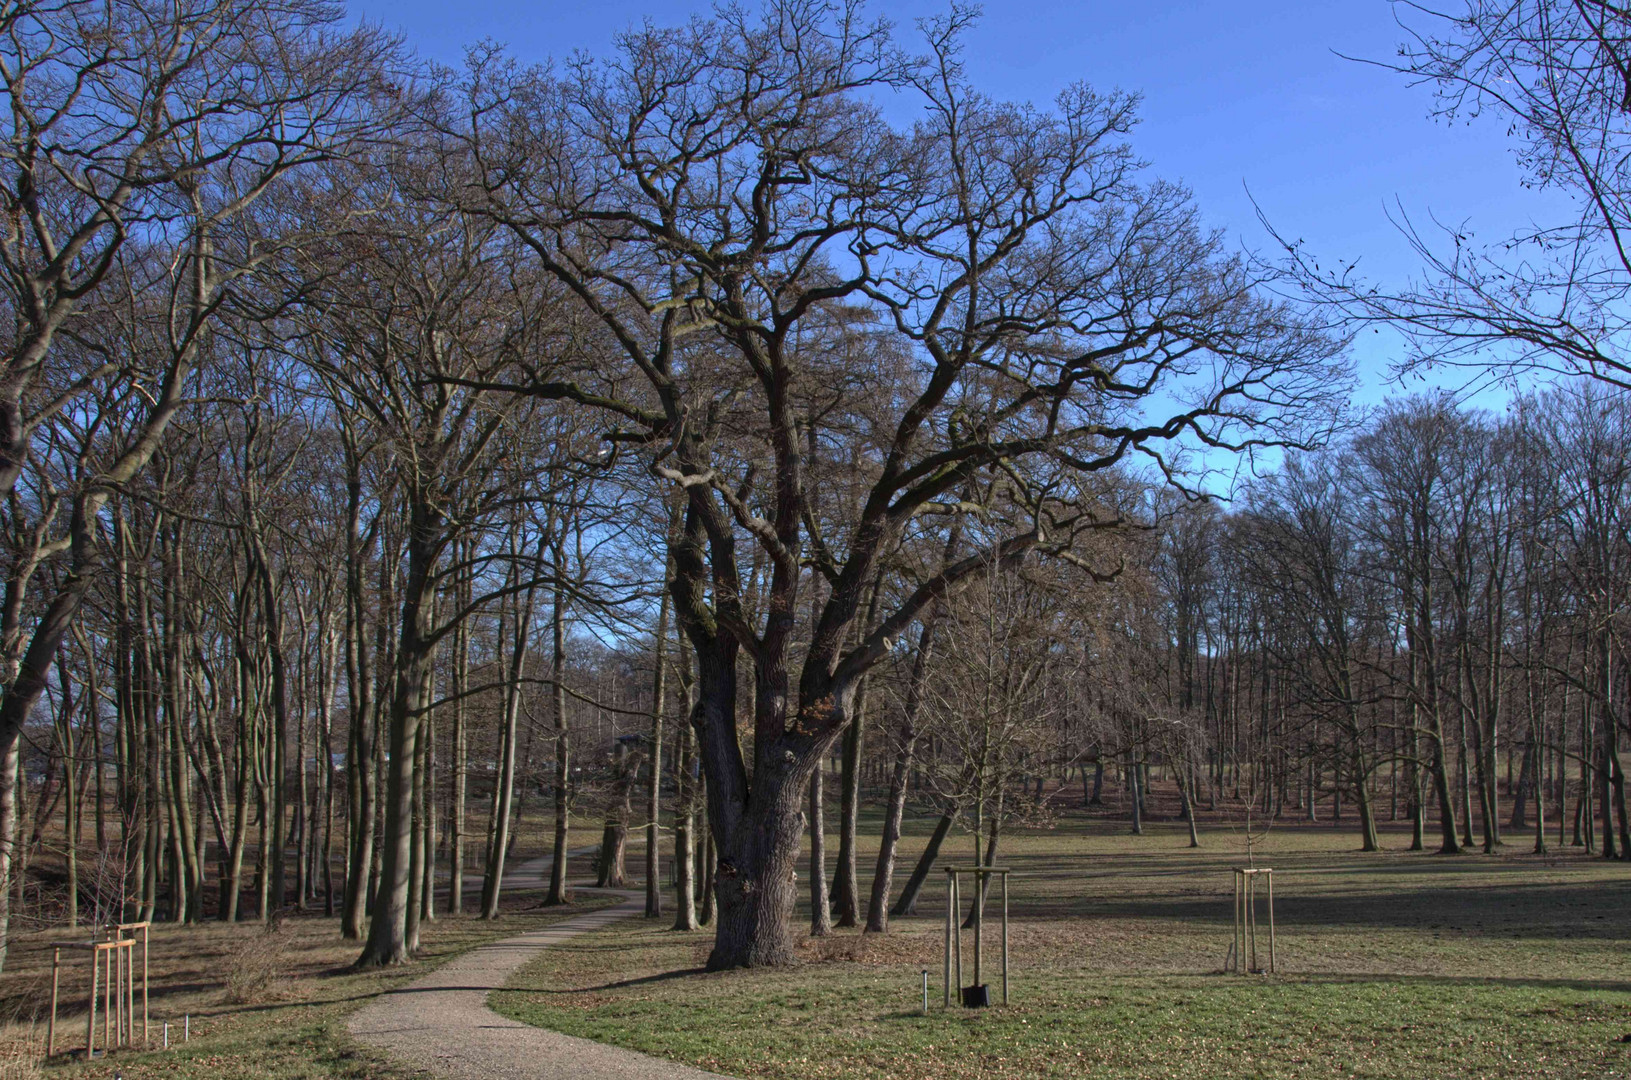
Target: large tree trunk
x,y
388,941
756,875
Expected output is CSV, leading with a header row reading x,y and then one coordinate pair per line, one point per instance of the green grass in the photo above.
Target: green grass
x,y
1393,965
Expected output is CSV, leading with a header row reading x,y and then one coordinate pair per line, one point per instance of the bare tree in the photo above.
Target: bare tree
x,y
1048,316
167,124
1551,297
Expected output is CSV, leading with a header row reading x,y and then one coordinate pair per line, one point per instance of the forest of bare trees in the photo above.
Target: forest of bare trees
x,y
401,462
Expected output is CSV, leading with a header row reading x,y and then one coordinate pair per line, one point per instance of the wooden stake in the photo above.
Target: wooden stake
x,y
145,1040
119,1017
1004,938
1272,966
51,1028
979,923
90,1025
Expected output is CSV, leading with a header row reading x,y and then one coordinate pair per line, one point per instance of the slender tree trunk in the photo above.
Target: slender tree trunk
x,y
360,774
615,836
460,738
1135,790
559,891
70,809
907,904
388,941
1188,801
654,790
976,907
498,834
877,912
820,906
1368,837
509,749
709,876
846,887
10,782
685,900
1522,790
414,913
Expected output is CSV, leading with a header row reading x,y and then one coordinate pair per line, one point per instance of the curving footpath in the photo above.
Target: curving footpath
x,y
441,1023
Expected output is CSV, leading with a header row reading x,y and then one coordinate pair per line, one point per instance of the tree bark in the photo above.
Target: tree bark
x,y
846,888
614,838
361,778
559,891
388,941
820,905
654,792
504,788
685,854
10,780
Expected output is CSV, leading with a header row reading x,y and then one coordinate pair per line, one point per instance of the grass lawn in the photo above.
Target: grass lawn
x,y
292,1028
1393,965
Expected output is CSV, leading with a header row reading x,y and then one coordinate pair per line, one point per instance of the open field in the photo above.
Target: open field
x,y
1393,964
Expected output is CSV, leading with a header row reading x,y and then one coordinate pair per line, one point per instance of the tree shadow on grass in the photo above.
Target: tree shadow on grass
x,y
1508,909
621,984
1609,986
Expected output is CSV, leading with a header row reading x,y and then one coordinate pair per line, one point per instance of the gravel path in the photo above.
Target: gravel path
x,y
442,1024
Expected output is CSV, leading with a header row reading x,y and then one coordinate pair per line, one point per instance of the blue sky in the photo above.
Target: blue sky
x,y
1236,96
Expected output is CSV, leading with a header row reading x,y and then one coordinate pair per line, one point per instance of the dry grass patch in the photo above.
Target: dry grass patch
x,y
262,1001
